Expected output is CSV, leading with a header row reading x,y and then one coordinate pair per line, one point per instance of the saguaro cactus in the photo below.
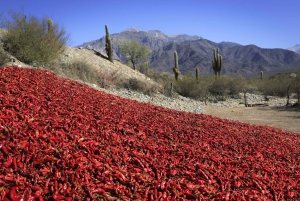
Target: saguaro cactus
x,y
261,75
108,45
176,68
50,25
197,73
217,62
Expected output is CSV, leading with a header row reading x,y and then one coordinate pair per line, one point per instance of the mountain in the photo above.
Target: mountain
x,y
155,39
246,60
195,51
296,48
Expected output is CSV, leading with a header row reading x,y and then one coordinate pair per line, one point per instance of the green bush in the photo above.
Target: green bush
x,y
188,86
276,85
134,51
220,87
228,86
236,85
135,84
32,40
3,58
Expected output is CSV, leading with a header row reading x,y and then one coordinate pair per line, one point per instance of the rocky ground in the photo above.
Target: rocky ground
x,y
271,113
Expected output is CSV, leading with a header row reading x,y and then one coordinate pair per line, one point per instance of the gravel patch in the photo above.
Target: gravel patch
x,y
189,105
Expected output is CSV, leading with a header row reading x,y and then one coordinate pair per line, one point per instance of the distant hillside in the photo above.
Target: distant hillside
x,y
155,39
296,48
194,51
246,60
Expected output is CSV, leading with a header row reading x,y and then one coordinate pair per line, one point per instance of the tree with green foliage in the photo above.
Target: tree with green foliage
x,y
32,40
108,45
134,51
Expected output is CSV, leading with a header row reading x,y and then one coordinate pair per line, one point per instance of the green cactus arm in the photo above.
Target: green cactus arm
x,y
220,63
176,59
50,25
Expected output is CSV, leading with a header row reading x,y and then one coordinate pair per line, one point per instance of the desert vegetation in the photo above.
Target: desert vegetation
x,y
31,40
108,45
134,52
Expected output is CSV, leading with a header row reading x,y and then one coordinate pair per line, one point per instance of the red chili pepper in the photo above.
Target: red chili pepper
x,y
27,195
14,196
15,163
46,190
3,193
57,174
8,162
146,192
57,196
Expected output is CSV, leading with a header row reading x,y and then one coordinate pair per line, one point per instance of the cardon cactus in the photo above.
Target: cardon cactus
x,y
261,75
176,68
108,45
197,73
50,25
217,62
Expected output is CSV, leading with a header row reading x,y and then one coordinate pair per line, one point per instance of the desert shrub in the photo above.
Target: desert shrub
x,y
32,40
143,68
296,86
220,87
188,86
159,76
76,70
276,85
4,58
227,86
236,85
80,70
135,84
107,79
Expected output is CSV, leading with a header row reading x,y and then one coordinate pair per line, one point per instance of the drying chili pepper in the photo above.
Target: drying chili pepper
x,y
62,140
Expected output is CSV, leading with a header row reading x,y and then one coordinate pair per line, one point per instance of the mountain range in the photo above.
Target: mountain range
x,y
195,51
155,39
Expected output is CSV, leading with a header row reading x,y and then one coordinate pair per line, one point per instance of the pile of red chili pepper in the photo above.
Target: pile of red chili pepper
x,y
62,140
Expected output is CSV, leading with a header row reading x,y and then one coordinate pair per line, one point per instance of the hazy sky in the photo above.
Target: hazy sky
x,y
265,23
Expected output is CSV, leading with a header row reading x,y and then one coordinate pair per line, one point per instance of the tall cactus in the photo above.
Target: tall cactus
x,y
50,25
217,62
197,73
108,45
261,75
176,68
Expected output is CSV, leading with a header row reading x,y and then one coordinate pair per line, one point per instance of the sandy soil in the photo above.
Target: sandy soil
x,y
281,117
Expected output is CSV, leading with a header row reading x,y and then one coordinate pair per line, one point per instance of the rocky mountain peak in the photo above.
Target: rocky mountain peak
x,y
131,29
296,48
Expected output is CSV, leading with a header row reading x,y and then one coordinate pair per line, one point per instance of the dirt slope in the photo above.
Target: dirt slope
x,y
279,117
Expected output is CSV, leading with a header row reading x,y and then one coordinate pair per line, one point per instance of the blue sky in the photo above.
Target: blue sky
x,y
265,23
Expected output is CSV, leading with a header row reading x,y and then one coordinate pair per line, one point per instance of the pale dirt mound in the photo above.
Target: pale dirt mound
x,y
100,63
